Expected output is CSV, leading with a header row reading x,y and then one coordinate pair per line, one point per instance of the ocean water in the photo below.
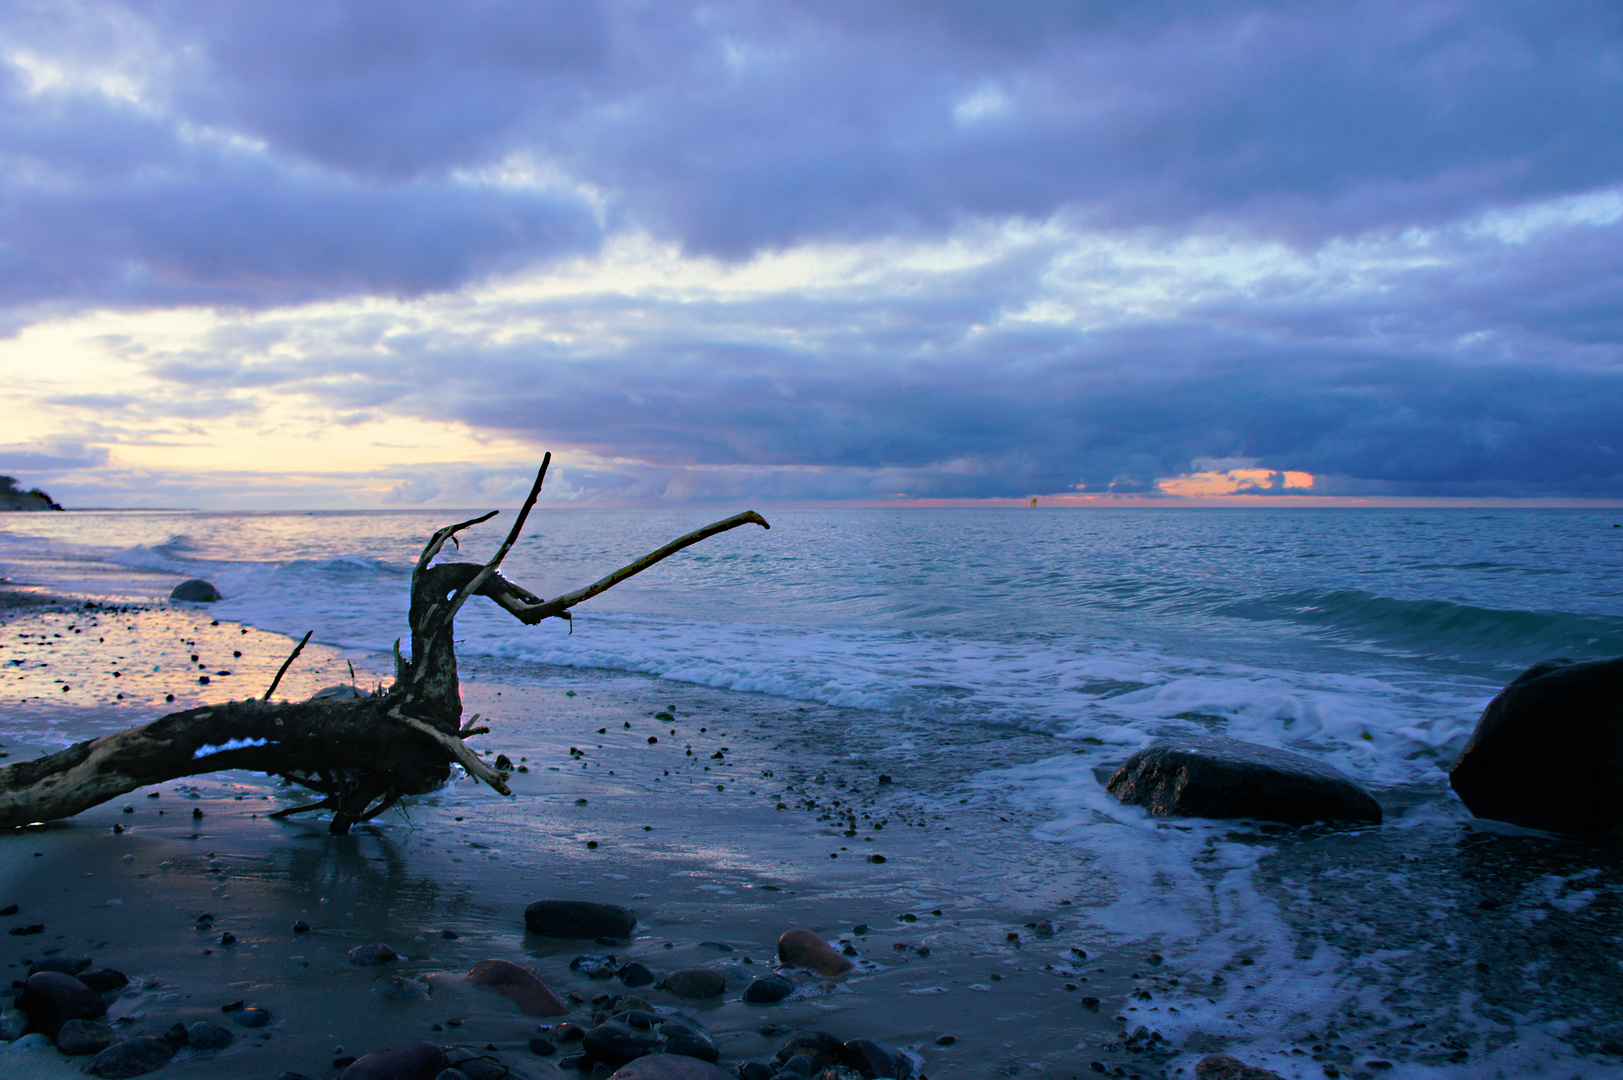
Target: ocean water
x,y
1369,639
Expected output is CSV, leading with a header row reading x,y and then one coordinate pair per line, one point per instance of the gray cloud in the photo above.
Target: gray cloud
x,y
255,154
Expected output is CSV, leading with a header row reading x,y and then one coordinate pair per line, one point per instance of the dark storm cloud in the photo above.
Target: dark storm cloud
x,y
737,126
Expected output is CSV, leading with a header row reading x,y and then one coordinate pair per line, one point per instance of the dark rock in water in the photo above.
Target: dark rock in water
x,y
686,1038
51,999
802,948
695,983
819,1048
543,1047
518,985
80,1037
408,1061
1548,751
569,1032
132,1057
670,1067
195,591
768,990
251,1018
1223,1067
204,1035
753,1070
1227,778
874,1061
104,980
372,955
579,919
635,974
614,1043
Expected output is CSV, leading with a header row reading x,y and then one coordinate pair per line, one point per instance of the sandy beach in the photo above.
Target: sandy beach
x,y
747,817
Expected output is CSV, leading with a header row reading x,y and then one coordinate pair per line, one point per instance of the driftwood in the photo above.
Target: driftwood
x,y
363,754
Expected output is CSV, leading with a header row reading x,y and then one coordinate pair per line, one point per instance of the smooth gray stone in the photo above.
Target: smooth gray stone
x,y
695,983
205,1035
81,1037
768,990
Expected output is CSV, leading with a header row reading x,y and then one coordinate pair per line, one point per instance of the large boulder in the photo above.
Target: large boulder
x,y
51,999
195,591
1548,751
1227,778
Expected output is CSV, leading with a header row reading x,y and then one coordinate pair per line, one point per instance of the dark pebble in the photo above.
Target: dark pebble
x,y
251,1018
543,1047
753,1070
206,1035
51,999
695,983
63,965
80,1037
579,919
9,909
819,1048
768,990
685,1038
104,980
614,1043
475,1067
636,974
577,1061
408,1061
873,1060
301,927
132,1057
569,1032
372,955
719,946
23,931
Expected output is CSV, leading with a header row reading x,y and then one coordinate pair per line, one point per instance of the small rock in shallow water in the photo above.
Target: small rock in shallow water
x,y
695,983
768,990
132,1057
579,919
543,1047
635,974
80,1037
372,955
51,998
408,1061
819,1048
518,985
251,1018
204,1035
803,948
1223,1067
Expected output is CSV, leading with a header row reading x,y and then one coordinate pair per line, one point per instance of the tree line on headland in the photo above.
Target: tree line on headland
x,y
13,497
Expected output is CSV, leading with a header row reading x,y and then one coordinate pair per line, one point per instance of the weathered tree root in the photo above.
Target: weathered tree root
x,y
361,754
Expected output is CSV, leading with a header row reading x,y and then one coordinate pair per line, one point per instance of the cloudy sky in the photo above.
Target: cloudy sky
x,y
385,252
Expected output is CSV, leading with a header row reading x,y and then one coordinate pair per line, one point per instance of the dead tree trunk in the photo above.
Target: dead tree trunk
x,y
361,755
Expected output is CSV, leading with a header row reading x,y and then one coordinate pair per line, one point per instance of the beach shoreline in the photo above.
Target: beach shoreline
x,y
697,846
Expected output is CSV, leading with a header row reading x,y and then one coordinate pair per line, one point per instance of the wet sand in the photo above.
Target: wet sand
x,y
749,816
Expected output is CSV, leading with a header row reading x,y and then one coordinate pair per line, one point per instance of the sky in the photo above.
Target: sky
x,y
384,253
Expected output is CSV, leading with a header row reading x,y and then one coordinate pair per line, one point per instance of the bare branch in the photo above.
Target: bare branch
x,y
438,540
480,578
535,613
294,655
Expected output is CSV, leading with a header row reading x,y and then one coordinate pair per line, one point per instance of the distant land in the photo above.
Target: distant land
x,y
13,497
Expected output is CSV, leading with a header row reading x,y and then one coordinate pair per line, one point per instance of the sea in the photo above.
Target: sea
x,y
1369,639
